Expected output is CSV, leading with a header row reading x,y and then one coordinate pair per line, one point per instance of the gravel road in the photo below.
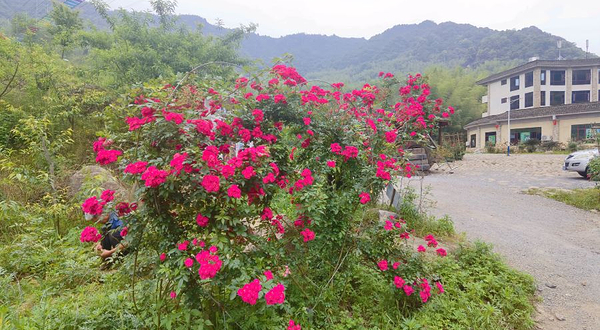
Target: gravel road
x,y
558,244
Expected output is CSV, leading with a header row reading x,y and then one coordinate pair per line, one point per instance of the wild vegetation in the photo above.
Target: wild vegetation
x,y
245,205
585,198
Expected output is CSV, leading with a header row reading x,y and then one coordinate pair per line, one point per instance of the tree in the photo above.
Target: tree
x,y
67,24
458,88
11,59
138,51
165,9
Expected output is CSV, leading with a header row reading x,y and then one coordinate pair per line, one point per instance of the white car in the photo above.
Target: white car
x,y
578,161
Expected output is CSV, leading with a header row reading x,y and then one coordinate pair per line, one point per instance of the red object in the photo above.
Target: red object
x,y
554,122
497,126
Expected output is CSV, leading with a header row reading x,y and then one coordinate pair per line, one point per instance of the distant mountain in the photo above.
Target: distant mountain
x,y
400,49
406,48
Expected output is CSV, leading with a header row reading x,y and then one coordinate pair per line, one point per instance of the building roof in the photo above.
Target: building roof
x,y
541,64
541,112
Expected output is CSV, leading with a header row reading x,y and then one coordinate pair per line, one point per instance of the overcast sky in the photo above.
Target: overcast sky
x,y
575,20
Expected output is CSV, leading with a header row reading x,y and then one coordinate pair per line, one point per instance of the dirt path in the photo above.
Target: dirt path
x,y
558,244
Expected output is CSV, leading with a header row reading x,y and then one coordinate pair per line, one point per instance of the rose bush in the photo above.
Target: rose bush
x,y
252,194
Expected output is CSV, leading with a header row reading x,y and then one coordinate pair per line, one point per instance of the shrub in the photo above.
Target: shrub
x,y
550,145
531,145
450,152
594,169
572,146
490,148
263,183
458,151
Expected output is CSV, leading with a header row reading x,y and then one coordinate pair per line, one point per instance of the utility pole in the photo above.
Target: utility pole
x,y
508,125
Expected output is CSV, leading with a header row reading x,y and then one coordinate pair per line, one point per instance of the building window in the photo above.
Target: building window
x,y
503,100
529,79
582,77
473,140
528,100
557,98
557,77
503,82
543,77
521,135
580,97
543,98
514,83
490,138
583,132
514,102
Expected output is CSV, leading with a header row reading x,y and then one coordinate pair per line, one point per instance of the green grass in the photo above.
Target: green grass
x,y
586,199
55,282
482,292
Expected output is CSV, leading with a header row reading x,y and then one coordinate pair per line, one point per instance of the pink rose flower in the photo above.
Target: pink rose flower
x,y
364,197
211,183
234,191
201,220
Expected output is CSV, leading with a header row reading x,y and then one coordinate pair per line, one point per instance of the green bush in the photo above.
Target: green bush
x,y
458,151
450,152
490,148
531,145
594,169
10,119
572,146
550,145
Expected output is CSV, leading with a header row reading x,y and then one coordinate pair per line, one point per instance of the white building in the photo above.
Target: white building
x,y
534,86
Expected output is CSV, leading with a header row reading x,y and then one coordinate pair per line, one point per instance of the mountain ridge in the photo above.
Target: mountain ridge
x,y
401,48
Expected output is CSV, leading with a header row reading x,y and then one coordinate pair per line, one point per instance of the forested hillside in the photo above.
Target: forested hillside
x,y
400,49
414,47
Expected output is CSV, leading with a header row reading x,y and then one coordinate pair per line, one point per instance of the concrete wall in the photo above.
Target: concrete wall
x,y
496,92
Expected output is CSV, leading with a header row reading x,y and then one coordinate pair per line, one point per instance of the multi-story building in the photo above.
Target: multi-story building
x,y
547,100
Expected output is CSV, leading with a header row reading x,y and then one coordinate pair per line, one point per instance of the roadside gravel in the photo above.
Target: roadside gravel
x,y
558,244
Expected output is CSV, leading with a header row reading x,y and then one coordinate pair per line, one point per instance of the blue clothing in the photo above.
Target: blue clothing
x,y
113,221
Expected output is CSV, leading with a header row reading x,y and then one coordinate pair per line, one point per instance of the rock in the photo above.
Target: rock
x,y
559,317
92,177
551,286
385,215
583,283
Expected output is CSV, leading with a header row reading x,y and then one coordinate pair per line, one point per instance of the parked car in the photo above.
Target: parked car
x,y
578,161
